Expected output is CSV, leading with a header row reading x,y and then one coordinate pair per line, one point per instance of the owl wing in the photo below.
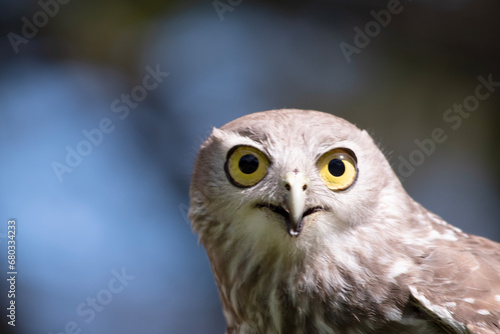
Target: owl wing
x,y
458,285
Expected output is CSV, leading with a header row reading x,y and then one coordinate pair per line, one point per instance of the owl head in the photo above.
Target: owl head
x,y
288,176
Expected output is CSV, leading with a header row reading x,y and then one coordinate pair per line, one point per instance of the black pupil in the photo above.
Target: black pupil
x,y
336,167
248,163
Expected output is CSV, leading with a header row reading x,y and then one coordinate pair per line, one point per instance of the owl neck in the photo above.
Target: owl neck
x,y
280,286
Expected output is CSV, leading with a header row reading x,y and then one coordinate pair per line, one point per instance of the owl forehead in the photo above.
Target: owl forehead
x,y
285,126
288,140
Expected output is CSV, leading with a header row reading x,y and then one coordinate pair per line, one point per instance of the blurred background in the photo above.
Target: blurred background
x,y
105,103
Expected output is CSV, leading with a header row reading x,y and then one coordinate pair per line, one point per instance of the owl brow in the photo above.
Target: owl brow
x,y
258,137
329,147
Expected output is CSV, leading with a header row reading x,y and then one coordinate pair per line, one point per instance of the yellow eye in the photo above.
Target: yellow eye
x,y
246,166
338,169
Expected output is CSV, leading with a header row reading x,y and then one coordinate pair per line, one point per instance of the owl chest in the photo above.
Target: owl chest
x,y
291,307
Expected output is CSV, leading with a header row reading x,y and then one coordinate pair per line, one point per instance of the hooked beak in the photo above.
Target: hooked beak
x,y
296,186
293,210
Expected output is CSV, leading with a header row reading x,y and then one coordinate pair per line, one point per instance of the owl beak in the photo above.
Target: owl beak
x,y
295,183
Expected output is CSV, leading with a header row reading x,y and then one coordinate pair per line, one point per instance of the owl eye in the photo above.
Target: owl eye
x,y
246,166
338,169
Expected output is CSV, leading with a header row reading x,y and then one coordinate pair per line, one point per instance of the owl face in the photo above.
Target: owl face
x,y
294,176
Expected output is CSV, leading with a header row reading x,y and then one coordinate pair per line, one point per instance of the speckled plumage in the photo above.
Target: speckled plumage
x,y
370,260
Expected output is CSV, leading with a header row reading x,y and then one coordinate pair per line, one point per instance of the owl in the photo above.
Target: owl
x,y
308,230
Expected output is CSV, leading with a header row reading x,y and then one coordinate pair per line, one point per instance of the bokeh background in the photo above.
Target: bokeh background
x,y
122,207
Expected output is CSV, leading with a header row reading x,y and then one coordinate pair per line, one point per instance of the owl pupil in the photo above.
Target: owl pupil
x,y
336,167
248,163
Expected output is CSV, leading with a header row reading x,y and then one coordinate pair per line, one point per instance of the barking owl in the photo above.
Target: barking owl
x,y
308,230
